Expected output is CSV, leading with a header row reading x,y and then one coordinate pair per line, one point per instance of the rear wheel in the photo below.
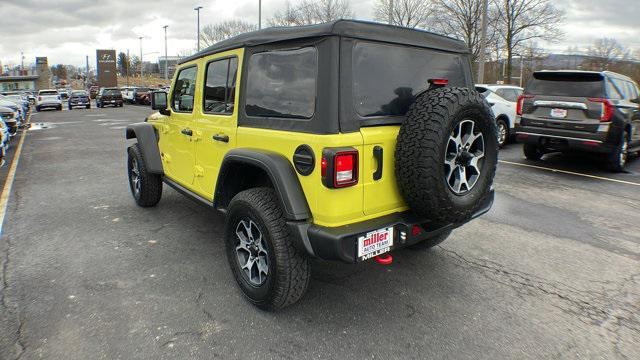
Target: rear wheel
x,y
271,272
146,188
618,158
533,152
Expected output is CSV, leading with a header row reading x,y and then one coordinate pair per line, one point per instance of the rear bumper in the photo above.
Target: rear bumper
x,y
340,243
560,139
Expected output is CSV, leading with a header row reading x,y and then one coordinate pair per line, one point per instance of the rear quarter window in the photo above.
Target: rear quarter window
x,y
388,77
282,83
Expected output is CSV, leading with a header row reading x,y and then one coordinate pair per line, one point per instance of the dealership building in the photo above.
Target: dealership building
x,y
32,79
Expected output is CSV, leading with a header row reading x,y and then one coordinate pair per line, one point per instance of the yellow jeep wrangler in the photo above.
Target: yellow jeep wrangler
x,y
339,141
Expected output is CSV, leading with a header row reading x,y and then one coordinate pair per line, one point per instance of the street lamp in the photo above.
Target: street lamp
x,y
141,37
166,76
259,14
198,10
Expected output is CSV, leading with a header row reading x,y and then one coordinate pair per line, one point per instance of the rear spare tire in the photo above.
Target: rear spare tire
x,y
446,155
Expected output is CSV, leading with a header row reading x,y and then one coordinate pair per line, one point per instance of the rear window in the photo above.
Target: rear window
x,y
566,84
48,93
282,83
387,78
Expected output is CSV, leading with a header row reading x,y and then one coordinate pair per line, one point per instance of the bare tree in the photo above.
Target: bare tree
x,y
407,13
309,12
522,21
463,19
213,33
605,52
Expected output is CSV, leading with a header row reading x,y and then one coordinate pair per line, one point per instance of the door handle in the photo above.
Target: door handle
x,y
223,138
187,132
377,154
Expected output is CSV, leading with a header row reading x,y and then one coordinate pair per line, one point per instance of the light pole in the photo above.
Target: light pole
x,y
390,12
483,42
166,67
127,67
198,10
259,14
141,37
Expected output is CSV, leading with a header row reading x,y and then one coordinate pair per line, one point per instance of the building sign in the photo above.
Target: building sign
x,y
106,64
41,60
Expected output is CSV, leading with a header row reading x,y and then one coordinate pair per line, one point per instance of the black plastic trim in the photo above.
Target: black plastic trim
x,y
280,172
148,141
186,192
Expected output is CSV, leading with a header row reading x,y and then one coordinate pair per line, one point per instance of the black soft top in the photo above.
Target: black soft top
x,y
347,28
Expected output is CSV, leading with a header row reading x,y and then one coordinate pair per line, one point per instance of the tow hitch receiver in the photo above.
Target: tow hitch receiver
x,y
384,259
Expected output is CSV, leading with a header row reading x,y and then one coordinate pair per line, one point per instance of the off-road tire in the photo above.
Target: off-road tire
x,y
88,106
532,152
150,190
615,163
420,154
288,269
429,243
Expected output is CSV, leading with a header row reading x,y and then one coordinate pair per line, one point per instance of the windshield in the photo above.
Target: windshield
x,y
79,93
387,78
111,92
566,84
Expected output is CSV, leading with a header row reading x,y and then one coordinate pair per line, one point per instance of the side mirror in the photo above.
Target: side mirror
x,y
159,102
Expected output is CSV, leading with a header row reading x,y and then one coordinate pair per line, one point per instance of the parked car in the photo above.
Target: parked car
x,y
568,110
109,96
93,91
308,171
503,99
138,95
79,98
49,98
16,108
127,93
20,100
9,118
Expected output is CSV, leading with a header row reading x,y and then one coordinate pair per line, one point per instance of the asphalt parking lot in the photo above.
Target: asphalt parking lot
x,y
553,271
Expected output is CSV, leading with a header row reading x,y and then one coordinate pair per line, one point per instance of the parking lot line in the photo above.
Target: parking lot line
x,y
569,172
8,184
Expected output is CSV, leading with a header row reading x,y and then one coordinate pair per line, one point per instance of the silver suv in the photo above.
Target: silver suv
x,y
49,98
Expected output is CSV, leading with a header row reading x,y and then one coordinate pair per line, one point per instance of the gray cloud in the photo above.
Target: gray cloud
x,y
66,30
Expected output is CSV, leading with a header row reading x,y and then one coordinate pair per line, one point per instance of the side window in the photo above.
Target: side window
x,y
184,90
219,91
282,83
511,95
500,93
631,91
612,91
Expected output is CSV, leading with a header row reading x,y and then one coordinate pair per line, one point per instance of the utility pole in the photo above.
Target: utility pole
x,y
198,10
166,66
21,62
259,14
127,67
141,67
86,76
483,42
521,69
390,12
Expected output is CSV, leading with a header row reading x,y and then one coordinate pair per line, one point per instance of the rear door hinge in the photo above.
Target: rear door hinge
x,y
198,171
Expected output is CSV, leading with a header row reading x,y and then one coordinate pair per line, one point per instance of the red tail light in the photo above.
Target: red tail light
x,y
607,108
520,103
339,167
440,82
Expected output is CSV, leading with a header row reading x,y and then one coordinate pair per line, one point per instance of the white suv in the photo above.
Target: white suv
x,y
503,99
49,98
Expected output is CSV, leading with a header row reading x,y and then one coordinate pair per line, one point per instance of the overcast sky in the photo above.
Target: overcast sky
x,y
67,30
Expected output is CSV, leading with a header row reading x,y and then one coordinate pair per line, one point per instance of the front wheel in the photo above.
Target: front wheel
x,y
146,188
503,132
271,272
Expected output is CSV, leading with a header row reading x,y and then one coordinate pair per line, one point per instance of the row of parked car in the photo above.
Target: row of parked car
x,y
596,112
14,110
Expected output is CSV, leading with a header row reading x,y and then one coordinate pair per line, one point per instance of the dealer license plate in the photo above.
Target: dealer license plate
x,y
375,243
559,113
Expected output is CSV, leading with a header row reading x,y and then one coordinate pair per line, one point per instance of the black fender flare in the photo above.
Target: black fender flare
x,y
280,172
148,141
